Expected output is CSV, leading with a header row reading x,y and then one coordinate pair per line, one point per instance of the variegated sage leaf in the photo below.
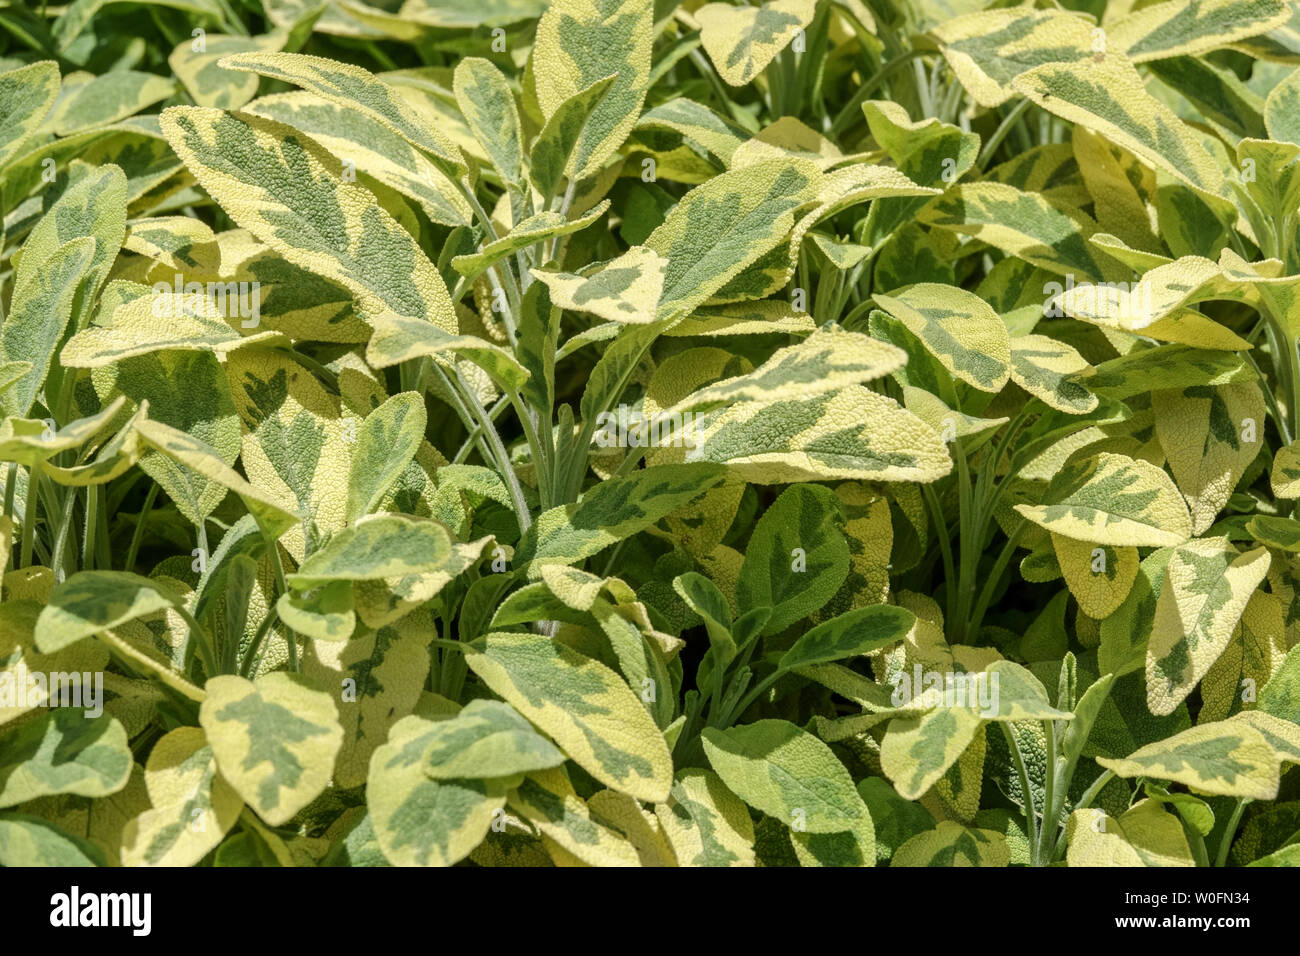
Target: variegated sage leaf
x,y
191,809
1113,499
852,433
1109,97
1192,27
572,835
1226,757
1210,434
419,821
742,41
64,751
582,41
91,602
787,773
275,740
951,844
959,328
288,191
988,49
487,739
706,824
26,96
1207,584
582,705
386,443
355,88
614,510
34,841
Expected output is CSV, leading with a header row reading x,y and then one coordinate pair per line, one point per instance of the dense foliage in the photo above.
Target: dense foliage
x,y
816,432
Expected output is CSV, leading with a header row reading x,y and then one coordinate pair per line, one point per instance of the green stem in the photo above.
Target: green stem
x,y
999,134
1225,842
29,520
986,594
749,698
853,109
92,525
262,630
502,457
61,536
1085,801
282,587
138,534
206,651
945,546
11,488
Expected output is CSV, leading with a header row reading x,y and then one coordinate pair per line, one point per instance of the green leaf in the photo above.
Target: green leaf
x,y
789,774
704,598
582,41
288,191
1113,499
419,821
742,41
487,739
274,739
951,844
386,443
91,602
797,557
851,634
1206,587
582,705
191,805
64,752
26,95
1226,758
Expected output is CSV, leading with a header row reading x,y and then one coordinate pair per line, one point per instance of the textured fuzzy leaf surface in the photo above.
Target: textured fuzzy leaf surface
x,y
582,705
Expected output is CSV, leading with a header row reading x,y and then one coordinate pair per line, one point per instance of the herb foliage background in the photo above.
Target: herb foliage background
x,y
330,338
